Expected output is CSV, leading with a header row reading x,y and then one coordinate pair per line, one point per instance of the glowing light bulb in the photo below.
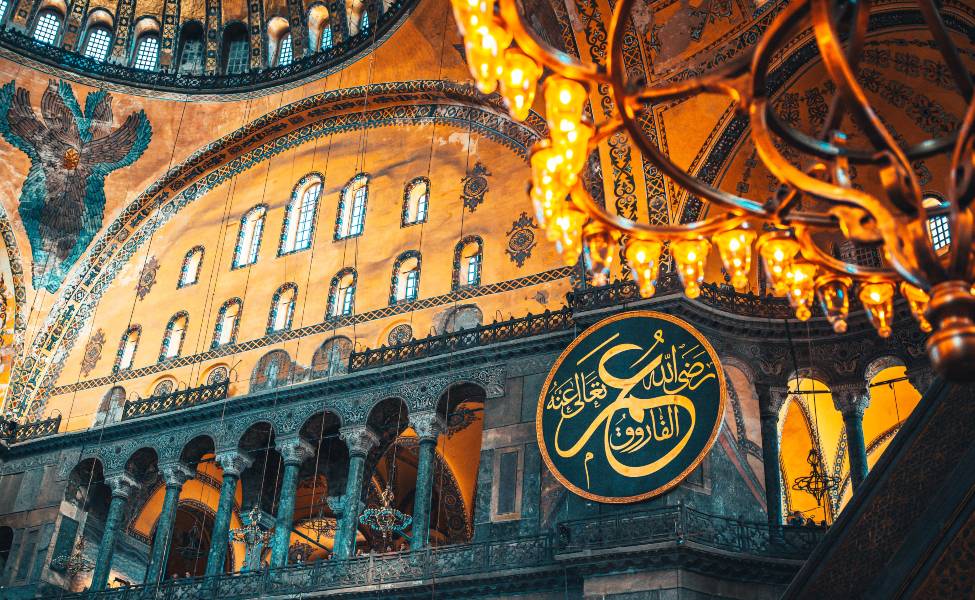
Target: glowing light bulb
x,y
568,224
735,248
485,54
599,252
834,297
564,103
469,14
802,290
518,83
878,302
777,253
643,257
918,300
690,256
547,191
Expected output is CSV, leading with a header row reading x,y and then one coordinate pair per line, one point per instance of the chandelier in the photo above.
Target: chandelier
x,y
817,484
811,201
386,519
251,533
75,563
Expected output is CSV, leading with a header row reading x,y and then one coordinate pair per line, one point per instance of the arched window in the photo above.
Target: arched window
x,y
172,342
191,48
236,49
127,348
416,198
406,278
285,52
190,273
273,369
467,262
326,42
249,238
147,52
341,293
352,208
97,42
939,228
282,308
48,27
299,219
228,320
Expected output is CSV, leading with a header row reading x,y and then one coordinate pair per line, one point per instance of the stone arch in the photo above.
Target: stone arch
x,y
332,357
111,406
456,318
273,369
85,487
196,448
875,366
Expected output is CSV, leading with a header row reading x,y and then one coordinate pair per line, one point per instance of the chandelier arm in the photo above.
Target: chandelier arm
x,y
812,252
903,188
556,60
948,49
713,82
962,190
854,50
628,114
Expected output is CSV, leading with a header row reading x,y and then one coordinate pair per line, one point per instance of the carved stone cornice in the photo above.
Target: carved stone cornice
x,y
359,438
851,399
233,462
122,485
771,400
294,450
428,425
921,377
176,474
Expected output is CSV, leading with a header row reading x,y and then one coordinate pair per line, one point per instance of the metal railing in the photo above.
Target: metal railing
x,y
13,432
499,331
154,405
623,532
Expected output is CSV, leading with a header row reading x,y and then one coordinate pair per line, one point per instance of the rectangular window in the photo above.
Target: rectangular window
x,y
98,43
3,8
175,341
147,54
474,269
286,54
938,227
347,297
358,216
237,60
227,329
306,218
191,60
412,280
46,30
281,314
326,37
128,353
421,209
506,501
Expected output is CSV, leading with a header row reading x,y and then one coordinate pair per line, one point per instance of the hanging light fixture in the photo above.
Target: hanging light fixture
x,y
386,519
252,534
940,286
817,484
74,563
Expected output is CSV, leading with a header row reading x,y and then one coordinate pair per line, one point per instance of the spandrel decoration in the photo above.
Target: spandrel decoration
x,y
631,407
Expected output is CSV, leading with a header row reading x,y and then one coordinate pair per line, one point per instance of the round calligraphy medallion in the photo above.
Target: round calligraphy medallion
x,y
631,407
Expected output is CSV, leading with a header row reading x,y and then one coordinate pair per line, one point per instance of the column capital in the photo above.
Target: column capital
x,y
851,399
359,438
921,377
233,462
177,473
294,449
428,425
771,400
122,485
337,504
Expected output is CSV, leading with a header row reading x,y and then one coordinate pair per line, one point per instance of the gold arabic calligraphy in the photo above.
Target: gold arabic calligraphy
x,y
672,371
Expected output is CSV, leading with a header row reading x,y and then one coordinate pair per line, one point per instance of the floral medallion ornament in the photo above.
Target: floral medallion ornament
x,y
521,239
631,407
475,186
147,278
400,334
93,352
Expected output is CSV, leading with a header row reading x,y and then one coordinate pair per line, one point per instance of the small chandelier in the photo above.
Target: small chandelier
x,y
817,484
386,519
75,563
251,533
321,525
785,229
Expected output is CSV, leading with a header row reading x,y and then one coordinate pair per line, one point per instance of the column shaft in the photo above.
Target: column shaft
x,y
164,530
221,526
345,540
103,564
285,517
856,447
424,493
773,479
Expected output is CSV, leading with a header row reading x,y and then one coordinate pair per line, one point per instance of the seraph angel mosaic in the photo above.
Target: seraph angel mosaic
x,y
62,202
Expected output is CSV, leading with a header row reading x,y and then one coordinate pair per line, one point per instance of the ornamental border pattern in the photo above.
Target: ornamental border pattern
x,y
403,103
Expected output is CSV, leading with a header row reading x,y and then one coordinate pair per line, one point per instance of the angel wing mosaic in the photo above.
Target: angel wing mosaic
x,y
62,202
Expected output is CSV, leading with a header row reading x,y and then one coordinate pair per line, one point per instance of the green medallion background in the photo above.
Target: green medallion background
x,y
607,444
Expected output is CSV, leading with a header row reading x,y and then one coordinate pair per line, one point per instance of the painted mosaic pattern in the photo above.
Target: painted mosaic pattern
x,y
62,202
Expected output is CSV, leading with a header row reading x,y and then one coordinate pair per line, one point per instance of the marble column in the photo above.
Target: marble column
x,y
852,400
232,462
770,406
337,504
174,476
360,439
121,486
428,426
294,451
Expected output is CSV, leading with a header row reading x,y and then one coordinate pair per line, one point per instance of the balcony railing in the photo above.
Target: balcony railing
x,y
499,331
623,532
176,400
13,432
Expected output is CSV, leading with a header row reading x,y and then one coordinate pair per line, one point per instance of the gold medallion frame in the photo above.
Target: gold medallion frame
x,y
723,393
